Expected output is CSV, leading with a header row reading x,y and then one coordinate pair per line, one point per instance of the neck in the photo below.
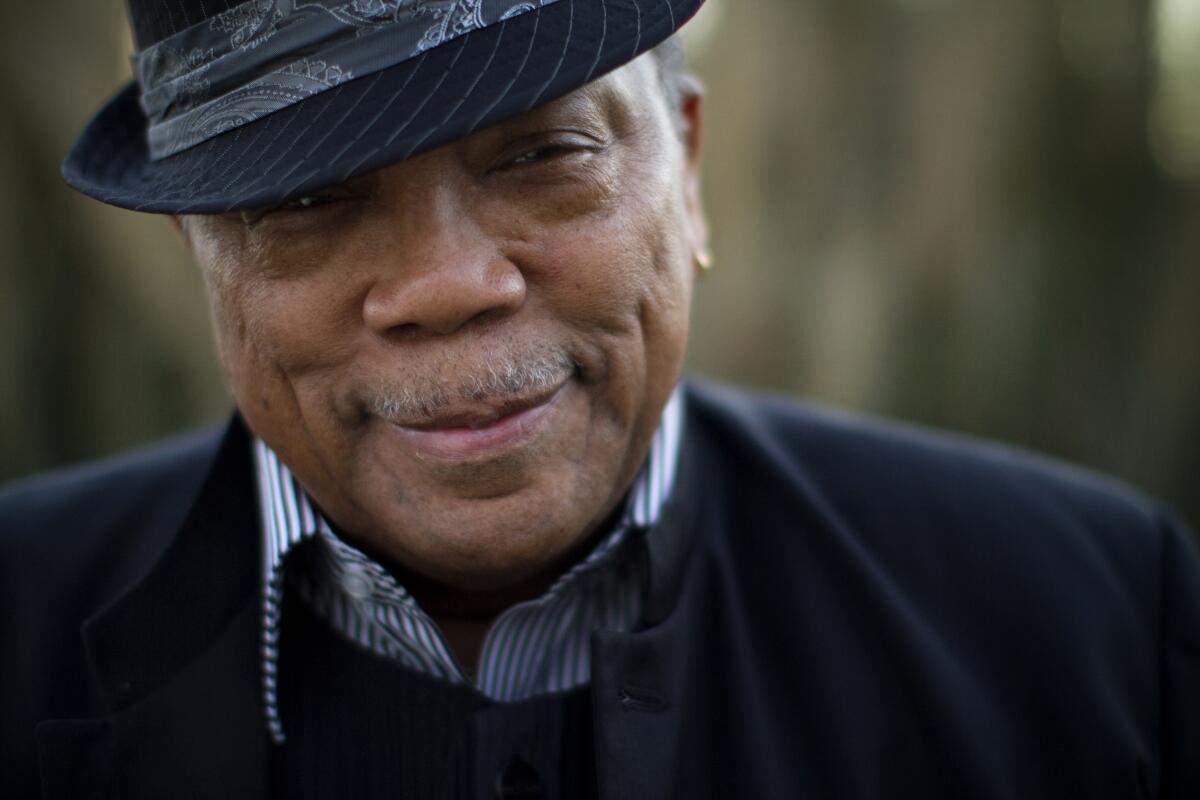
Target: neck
x,y
465,616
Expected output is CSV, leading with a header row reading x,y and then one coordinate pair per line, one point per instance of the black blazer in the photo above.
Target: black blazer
x,y
838,609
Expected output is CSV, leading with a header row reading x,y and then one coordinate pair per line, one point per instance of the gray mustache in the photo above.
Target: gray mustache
x,y
501,378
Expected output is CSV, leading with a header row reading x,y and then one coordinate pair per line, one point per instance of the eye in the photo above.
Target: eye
x,y
551,147
545,153
307,201
323,203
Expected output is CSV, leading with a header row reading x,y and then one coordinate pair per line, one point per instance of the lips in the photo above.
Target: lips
x,y
478,417
480,430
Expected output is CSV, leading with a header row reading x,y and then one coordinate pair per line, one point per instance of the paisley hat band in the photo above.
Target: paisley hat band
x,y
264,55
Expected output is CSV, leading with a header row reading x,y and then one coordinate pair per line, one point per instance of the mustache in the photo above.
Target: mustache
x,y
501,376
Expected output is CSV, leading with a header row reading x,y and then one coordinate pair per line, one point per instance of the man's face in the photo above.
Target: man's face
x,y
463,357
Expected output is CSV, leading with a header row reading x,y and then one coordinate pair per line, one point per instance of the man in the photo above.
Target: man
x,y
468,536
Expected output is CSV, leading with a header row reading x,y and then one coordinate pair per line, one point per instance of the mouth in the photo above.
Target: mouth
x,y
480,430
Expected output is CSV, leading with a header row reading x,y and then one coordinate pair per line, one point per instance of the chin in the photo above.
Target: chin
x,y
484,555
488,542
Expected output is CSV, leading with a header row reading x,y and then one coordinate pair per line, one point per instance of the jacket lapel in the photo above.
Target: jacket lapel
x,y
638,693
175,663
639,680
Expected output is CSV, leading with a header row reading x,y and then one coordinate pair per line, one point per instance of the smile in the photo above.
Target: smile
x,y
481,431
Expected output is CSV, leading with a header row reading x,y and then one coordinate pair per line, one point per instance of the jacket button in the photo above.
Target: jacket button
x,y
519,781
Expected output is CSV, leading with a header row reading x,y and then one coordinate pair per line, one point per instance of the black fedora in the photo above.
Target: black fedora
x,y
244,103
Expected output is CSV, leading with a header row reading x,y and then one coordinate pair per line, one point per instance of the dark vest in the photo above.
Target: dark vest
x,y
362,726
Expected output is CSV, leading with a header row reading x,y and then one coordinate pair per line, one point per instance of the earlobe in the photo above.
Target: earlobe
x,y
702,257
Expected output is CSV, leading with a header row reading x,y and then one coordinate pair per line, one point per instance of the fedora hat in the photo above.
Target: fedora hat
x,y
245,103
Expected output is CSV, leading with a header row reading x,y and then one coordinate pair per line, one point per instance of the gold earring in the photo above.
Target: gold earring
x,y
704,261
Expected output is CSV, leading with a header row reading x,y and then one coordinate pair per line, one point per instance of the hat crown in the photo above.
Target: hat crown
x,y
155,20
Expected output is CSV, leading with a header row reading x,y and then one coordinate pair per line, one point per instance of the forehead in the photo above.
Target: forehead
x,y
631,89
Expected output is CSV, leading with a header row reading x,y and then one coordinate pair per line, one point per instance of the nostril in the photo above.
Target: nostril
x,y
405,330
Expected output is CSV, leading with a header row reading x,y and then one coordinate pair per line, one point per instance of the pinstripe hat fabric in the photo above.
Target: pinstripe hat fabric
x,y
535,53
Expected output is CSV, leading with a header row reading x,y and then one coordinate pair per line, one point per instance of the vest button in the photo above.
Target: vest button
x,y
519,781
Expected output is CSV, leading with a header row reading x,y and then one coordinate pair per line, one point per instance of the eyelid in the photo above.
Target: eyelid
x,y
298,202
568,140
252,217
319,198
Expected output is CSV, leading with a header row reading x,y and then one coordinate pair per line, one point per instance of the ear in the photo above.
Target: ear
x,y
177,223
691,117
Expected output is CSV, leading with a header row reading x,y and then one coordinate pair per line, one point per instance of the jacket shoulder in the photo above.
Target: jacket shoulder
x,y
940,582
934,511
100,525
890,471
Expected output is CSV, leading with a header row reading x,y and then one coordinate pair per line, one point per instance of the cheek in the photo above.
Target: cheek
x,y
294,327
603,265
273,342
250,371
658,279
279,305
621,283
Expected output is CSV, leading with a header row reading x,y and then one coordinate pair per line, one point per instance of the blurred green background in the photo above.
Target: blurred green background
x,y
979,216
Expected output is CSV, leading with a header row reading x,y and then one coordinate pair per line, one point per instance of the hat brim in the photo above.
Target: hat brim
x,y
444,94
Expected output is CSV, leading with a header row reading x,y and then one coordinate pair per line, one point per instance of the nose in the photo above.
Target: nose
x,y
443,272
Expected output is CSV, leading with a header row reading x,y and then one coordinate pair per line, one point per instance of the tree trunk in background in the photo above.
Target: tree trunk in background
x,y
955,218
106,341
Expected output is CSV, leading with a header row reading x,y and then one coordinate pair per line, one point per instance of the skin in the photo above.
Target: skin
x,y
566,236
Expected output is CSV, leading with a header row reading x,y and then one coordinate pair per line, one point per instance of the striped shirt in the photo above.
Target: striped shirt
x,y
535,647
